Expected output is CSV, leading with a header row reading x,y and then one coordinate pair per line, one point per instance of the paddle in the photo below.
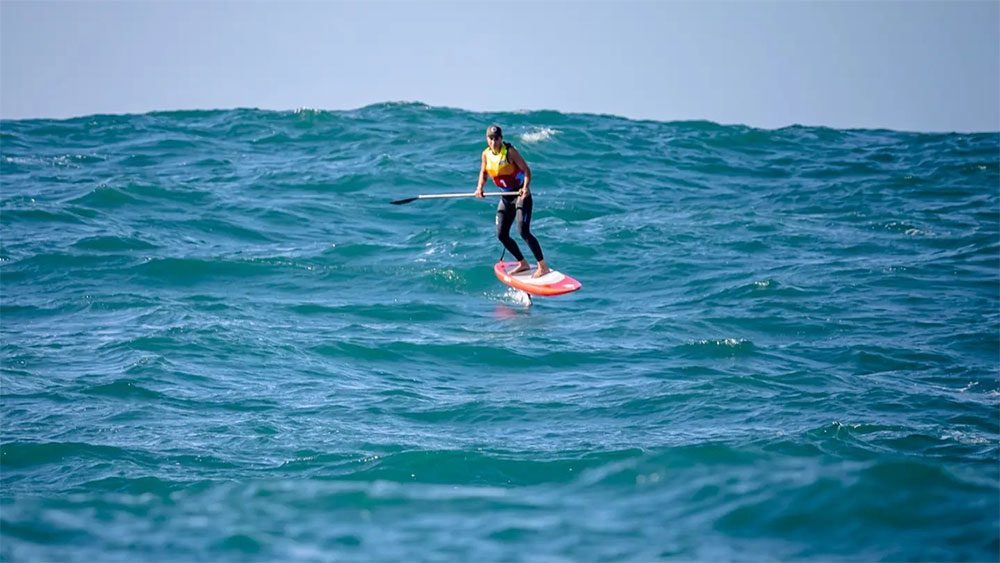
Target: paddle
x,y
442,196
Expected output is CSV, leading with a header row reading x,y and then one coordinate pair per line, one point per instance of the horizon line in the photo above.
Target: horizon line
x,y
510,111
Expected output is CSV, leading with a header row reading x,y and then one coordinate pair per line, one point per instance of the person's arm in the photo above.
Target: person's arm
x,y
519,161
482,176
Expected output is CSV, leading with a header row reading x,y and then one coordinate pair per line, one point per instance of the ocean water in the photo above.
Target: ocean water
x,y
221,343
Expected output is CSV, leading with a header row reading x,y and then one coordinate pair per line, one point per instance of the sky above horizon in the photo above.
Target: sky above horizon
x,y
913,66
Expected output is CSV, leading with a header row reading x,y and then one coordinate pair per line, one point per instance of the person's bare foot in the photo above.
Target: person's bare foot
x,y
522,266
541,270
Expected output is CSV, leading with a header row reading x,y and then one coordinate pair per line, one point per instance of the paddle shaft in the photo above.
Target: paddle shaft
x,y
444,196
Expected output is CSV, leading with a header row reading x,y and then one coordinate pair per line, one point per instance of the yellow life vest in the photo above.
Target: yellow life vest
x,y
505,173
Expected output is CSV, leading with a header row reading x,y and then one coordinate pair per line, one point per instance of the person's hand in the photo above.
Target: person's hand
x,y
479,192
523,193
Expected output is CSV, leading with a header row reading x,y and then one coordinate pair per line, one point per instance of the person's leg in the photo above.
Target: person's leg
x,y
524,229
506,213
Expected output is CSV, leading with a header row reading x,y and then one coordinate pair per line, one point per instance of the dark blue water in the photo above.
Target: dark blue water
x,y
220,341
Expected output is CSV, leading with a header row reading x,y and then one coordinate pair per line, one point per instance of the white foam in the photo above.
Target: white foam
x,y
519,297
538,135
728,342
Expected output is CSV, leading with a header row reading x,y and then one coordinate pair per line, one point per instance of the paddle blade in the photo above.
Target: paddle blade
x,y
402,201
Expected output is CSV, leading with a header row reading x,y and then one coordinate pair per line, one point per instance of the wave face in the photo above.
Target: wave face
x,y
220,341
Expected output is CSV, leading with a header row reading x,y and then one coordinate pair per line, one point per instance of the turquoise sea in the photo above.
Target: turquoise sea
x,y
220,342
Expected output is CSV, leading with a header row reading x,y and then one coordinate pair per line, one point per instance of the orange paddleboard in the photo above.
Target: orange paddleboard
x,y
552,283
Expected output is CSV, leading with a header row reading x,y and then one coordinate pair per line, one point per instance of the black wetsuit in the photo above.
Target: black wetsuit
x,y
511,208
